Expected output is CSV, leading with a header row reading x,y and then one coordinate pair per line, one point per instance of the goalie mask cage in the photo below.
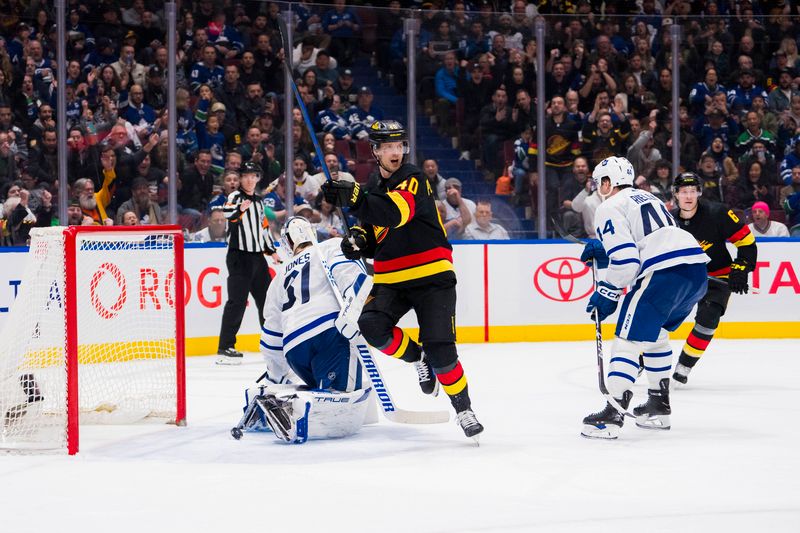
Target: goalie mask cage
x,y
95,335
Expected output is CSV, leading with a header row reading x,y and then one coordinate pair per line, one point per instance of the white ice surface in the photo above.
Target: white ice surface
x,y
730,463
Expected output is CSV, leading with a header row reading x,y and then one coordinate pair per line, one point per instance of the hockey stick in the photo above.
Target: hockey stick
x,y
287,64
390,410
599,346
597,326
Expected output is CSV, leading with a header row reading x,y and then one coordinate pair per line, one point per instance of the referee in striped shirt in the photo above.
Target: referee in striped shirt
x,y
247,266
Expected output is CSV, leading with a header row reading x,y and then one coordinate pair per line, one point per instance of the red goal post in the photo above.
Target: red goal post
x,y
96,335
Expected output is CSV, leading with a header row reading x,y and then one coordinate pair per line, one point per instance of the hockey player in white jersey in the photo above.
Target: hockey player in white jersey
x,y
306,335
664,270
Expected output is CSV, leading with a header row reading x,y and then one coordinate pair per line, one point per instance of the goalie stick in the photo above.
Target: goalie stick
x,y
390,410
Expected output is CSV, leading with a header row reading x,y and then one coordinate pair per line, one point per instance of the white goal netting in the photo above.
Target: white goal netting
x,y
122,307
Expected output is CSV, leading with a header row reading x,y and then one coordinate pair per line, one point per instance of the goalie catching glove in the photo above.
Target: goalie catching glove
x,y
737,279
343,193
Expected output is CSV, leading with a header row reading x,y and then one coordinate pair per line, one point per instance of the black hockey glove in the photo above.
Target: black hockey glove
x,y
737,279
343,193
353,247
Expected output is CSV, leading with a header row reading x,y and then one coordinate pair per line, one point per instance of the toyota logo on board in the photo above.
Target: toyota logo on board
x,y
563,279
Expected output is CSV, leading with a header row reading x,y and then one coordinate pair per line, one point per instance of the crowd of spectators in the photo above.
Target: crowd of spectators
x,y
608,84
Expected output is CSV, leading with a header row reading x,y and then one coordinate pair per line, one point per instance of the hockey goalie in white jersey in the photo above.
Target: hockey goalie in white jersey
x,y
664,270
305,340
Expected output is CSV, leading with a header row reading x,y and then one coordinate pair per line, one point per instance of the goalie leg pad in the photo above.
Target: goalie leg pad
x,y
333,414
278,414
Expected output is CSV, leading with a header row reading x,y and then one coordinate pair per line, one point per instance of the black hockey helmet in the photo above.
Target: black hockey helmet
x,y
686,179
386,131
251,168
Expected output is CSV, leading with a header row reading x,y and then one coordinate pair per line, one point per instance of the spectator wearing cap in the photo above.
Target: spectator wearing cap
x,y
343,86
155,94
143,203
781,96
230,131
102,55
458,210
482,228
740,97
127,64
343,25
762,226
206,72
361,116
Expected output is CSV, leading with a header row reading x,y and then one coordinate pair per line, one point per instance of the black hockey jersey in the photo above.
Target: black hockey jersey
x,y
712,225
407,237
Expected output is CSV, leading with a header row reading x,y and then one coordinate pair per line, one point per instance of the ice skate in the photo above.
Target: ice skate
x,y
427,378
229,356
681,374
472,428
607,423
654,414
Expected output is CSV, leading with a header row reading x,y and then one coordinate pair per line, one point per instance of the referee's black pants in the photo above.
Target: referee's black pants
x,y
247,273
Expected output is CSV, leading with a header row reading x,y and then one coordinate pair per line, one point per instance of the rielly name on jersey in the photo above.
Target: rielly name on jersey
x,y
714,224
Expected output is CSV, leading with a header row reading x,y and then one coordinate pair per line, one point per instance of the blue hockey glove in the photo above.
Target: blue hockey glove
x,y
604,300
593,251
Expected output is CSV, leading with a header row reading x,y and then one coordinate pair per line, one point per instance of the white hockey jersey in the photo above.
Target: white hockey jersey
x,y
639,235
300,302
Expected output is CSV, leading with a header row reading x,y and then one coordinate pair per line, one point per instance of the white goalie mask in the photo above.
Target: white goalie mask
x,y
617,169
297,231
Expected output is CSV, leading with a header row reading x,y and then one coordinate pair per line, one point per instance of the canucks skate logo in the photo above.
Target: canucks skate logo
x,y
380,233
705,245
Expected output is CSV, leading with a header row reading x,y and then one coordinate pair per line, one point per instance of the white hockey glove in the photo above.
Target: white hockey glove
x,y
346,327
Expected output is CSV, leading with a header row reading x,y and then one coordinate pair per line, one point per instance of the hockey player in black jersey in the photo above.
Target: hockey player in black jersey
x,y
712,224
401,229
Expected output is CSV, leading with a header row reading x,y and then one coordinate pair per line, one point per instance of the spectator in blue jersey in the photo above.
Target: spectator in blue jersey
x,y
227,39
446,81
343,25
209,136
714,124
700,95
477,42
275,201
361,116
331,120
185,137
206,72
230,182
141,116
740,97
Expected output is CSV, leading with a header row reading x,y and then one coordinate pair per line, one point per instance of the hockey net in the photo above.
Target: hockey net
x,y
95,335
